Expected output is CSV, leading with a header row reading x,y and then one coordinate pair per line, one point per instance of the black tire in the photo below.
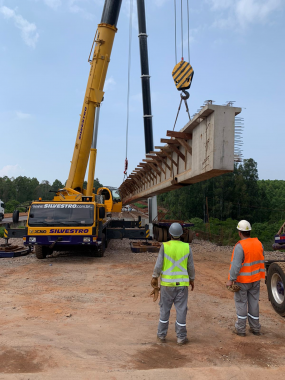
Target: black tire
x,y
15,217
101,250
275,287
160,235
155,232
40,252
165,234
190,236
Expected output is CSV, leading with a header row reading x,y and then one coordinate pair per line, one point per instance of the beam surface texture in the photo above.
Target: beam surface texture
x,y
203,149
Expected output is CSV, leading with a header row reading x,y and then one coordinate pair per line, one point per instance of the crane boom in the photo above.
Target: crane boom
x,y
104,39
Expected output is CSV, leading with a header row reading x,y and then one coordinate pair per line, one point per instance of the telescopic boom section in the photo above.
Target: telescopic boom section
x,y
94,93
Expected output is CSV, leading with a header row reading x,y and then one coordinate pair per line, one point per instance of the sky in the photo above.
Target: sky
x,y
236,49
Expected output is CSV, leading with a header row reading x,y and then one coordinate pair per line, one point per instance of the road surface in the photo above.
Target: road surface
x,y
78,317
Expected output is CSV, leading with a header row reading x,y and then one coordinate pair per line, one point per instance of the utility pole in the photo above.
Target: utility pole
x,y
147,116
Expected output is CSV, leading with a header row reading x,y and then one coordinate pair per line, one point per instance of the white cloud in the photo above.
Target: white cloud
x,y
249,11
54,4
23,116
109,84
10,171
241,13
28,30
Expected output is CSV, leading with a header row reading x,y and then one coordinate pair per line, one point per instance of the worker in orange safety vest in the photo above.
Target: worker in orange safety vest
x,y
246,271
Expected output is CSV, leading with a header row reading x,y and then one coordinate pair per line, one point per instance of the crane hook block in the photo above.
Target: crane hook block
x,y
182,75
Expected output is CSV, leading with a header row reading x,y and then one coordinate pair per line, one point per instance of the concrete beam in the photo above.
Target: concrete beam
x,y
203,149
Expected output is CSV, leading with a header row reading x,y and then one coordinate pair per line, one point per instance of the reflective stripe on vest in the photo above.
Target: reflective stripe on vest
x,y
174,269
252,268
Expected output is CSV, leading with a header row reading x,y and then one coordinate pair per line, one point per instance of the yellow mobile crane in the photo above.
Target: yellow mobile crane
x,y
76,217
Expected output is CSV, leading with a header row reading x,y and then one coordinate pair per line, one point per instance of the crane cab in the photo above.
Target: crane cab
x,y
112,198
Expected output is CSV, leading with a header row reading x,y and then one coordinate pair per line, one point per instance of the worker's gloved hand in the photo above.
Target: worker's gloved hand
x,y
154,282
233,287
156,288
155,293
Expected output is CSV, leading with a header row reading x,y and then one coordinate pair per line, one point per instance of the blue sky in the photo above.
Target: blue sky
x,y
237,52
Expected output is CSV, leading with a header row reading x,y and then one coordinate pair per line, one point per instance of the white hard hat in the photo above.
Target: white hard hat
x,y
244,225
176,230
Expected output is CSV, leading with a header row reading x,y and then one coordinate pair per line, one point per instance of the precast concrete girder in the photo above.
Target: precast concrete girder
x,y
203,149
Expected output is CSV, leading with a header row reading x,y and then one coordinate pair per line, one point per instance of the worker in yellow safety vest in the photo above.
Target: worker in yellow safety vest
x,y
176,267
246,271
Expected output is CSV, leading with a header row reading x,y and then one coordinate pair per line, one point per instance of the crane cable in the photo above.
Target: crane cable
x,y
129,81
185,95
188,22
182,30
175,32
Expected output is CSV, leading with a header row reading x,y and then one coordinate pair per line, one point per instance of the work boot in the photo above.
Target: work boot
x,y
182,341
254,332
161,339
238,333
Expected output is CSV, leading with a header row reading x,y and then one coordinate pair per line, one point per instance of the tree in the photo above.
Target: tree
x,y
237,195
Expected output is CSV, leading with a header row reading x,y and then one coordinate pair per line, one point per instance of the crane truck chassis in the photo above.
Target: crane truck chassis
x,y
81,226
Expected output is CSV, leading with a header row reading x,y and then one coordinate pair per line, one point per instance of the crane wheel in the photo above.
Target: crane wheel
x,y
190,236
154,232
40,251
275,287
160,234
101,251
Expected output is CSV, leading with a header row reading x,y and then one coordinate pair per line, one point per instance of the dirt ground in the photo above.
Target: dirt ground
x,y
79,317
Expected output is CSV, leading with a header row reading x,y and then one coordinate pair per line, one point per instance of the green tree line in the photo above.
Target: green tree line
x,y
15,191
237,195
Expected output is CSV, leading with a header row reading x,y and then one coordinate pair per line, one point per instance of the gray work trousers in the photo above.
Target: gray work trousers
x,y
247,306
169,295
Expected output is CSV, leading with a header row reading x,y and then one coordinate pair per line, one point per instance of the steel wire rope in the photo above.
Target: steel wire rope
x,y
129,79
182,28
175,32
188,31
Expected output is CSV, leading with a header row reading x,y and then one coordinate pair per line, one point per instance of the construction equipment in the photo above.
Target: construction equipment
x,y
77,218
1,210
144,246
280,239
146,100
161,230
275,275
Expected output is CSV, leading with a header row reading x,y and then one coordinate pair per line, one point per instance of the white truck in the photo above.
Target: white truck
x,y
1,210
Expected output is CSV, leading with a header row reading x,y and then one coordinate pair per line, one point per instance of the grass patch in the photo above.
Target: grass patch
x,y
139,205
225,232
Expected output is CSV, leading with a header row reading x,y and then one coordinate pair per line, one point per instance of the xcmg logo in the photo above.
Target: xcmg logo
x,y
38,231
82,123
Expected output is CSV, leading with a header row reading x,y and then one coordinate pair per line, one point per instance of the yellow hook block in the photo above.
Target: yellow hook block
x,y
182,75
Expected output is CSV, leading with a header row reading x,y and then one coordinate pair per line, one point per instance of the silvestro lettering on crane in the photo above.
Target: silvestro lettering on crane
x,y
68,231
62,205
